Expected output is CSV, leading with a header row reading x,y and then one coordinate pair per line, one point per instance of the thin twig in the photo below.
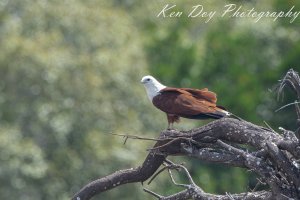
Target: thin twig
x,y
256,185
138,137
286,105
169,162
173,180
174,140
153,193
269,126
188,175
229,195
157,173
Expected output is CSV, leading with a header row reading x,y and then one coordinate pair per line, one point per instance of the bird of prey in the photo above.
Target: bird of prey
x,y
183,102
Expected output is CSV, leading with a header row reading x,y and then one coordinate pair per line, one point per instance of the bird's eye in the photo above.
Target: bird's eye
x,y
148,79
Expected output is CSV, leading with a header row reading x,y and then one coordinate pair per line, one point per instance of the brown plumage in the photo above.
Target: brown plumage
x,y
183,102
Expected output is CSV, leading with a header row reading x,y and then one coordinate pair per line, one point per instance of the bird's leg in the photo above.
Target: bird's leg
x,y
170,126
171,119
169,122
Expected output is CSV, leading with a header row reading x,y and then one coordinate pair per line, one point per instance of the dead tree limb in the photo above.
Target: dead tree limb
x,y
193,191
212,144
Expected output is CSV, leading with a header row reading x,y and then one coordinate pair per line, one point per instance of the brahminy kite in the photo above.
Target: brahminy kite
x,y
183,102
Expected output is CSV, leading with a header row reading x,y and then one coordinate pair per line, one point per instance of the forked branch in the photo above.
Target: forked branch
x,y
213,143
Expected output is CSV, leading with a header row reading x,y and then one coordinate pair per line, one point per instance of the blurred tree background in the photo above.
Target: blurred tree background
x,y
70,72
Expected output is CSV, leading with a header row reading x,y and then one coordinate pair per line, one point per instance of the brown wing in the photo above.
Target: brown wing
x,y
183,103
202,94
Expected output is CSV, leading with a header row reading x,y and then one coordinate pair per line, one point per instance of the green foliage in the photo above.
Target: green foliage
x,y
22,164
175,55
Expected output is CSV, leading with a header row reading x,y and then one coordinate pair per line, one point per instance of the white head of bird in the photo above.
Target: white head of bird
x,y
152,86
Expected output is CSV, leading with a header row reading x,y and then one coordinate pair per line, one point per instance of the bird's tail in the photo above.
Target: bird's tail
x,y
227,113
219,112
211,115
223,111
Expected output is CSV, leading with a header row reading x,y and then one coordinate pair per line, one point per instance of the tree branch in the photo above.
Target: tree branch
x,y
192,191
139,174
206,143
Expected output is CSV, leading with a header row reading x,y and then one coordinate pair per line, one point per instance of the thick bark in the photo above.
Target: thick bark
x,y
212,143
